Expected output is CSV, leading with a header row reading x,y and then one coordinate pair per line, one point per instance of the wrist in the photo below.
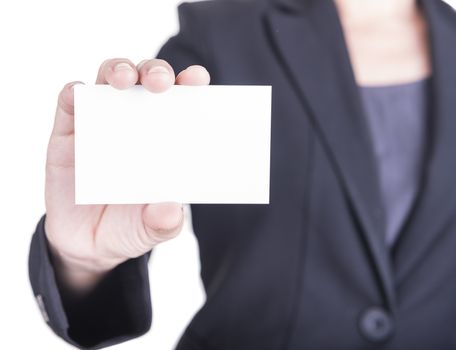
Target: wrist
x,y
76,275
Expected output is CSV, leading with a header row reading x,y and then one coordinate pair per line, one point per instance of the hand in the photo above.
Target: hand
x,y
87,241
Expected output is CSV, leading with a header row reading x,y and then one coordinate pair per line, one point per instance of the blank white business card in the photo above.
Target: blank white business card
x,y
190,144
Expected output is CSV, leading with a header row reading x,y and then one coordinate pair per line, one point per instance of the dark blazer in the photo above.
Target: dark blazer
x,y
311,269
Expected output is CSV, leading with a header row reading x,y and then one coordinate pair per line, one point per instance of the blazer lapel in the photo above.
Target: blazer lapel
x,y
309,41
436,205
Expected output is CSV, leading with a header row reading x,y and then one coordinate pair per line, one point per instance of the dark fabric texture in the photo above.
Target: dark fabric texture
x,y
116,310
311,270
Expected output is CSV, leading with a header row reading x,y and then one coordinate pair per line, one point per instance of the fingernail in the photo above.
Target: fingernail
x,y
158,70
122,66
75,83
196,66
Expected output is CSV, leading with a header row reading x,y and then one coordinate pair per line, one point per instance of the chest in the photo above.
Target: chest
x,y
388,52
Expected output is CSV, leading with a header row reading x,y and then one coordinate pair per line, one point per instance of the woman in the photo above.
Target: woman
x,y
354,249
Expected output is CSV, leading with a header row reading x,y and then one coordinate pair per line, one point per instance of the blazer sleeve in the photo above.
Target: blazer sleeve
x,y
116,310
119,308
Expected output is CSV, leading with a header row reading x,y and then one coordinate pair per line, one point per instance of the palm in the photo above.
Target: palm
x,y
90,238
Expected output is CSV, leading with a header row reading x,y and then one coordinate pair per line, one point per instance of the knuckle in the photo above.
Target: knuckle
x,y
120,73
163,232
147,65
159,61
141,64
105,63
112,62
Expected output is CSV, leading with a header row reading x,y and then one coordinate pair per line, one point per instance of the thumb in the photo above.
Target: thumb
x,y
64,122
163,221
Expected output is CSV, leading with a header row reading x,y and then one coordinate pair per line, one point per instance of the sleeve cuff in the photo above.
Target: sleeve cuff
x,y
118,309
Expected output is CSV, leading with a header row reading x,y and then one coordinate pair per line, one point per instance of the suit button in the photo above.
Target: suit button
x,y
40,302
376,324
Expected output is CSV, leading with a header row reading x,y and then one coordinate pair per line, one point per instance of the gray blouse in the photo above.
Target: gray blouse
x,y
397,117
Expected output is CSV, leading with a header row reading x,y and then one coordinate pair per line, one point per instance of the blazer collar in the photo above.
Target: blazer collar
x,y
436,205
309,41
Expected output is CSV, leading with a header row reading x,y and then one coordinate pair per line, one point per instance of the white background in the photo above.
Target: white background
x,y
44,44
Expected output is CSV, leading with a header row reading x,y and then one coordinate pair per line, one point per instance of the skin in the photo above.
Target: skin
x,y
387,44
87,241
387,40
